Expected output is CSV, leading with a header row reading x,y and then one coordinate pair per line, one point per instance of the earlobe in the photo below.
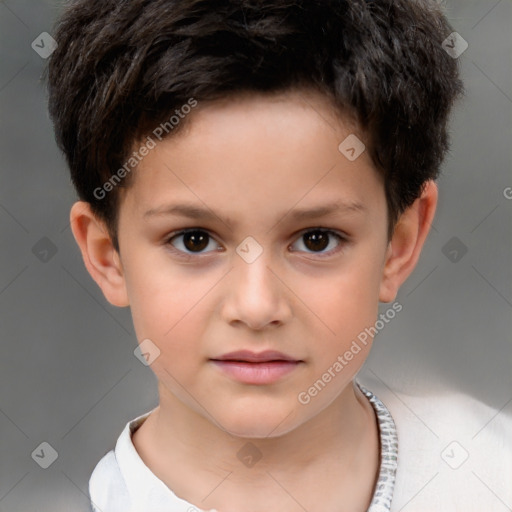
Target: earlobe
x,y
101,259
405,246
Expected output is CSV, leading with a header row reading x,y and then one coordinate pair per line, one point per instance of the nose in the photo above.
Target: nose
x,y
256,294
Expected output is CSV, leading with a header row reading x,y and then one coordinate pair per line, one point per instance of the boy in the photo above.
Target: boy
x,y
296,145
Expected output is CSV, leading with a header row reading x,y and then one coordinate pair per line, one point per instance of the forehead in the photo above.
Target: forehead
x,y
254,151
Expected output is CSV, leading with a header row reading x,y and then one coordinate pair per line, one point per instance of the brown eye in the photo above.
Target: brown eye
x,y
317,240
193,241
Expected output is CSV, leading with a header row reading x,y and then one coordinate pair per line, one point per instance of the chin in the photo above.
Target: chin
x,y
258,425
254,432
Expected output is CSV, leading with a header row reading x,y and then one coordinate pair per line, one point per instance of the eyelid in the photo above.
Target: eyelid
x,y
342,236
184,231
170,236
337,232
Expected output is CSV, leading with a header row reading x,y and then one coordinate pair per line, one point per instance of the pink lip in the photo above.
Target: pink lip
x,y
255,357
256,368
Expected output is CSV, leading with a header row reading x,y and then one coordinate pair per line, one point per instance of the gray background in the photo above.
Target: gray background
x,y
68,375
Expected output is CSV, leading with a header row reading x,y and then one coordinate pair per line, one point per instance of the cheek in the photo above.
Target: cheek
x,y
343,301
163,294
174,325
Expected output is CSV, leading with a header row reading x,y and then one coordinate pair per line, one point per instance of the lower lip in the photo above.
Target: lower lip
x,y
257,373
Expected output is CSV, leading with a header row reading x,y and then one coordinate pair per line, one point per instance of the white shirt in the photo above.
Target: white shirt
x,y
454,455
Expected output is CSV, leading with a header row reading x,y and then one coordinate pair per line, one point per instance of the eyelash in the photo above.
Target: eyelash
x,y
342,239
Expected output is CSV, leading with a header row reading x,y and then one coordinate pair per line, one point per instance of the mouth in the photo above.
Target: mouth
x,y
256,368
246,356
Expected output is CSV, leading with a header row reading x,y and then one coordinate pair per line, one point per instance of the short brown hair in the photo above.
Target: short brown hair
x,y
122,67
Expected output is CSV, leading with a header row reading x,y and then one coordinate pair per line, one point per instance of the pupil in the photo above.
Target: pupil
x,y
197,241
315,240
318,239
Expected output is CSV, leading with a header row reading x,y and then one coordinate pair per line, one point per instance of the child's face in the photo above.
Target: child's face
x,y
251,165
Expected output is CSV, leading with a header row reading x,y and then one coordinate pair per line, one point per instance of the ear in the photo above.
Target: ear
x,y
100,257
405,246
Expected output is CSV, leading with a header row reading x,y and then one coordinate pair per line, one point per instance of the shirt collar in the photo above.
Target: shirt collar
x,y
147,491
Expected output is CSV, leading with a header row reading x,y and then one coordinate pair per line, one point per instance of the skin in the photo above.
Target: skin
x,y
253,159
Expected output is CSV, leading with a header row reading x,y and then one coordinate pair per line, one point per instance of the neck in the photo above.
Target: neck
x,y
337,450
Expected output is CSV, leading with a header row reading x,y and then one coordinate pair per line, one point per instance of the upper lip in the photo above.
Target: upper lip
x,y
253,357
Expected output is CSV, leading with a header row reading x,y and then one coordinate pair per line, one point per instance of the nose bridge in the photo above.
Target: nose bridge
x,y
253,270
256,296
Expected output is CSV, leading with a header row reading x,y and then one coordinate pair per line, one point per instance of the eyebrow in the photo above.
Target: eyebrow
x,y
192,211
